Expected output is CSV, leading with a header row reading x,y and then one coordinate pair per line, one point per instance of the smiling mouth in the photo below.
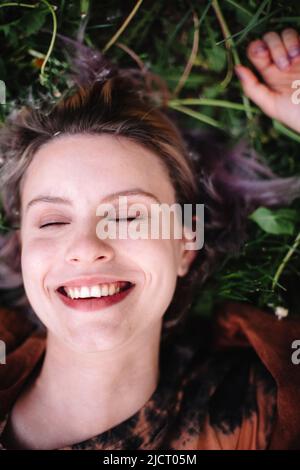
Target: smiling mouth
x,y
82,300
75,293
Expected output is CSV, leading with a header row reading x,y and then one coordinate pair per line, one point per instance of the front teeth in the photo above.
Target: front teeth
x,y
84,292
93,291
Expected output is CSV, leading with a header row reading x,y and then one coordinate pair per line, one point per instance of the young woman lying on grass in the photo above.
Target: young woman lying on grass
x,y
110,357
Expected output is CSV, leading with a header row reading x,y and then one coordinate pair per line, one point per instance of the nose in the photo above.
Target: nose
x,y
86,247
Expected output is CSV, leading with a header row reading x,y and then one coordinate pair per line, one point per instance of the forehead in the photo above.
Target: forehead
x,y
95,164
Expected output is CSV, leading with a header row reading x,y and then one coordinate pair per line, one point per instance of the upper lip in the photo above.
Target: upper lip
x,y
91,281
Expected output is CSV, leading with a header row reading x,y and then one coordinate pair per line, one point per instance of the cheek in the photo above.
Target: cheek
x,y
37,259
160,263
156,253
36,256
158,259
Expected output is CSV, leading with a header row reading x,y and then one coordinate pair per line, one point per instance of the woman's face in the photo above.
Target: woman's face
x,y
85,170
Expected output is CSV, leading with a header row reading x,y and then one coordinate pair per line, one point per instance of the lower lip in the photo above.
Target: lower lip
x,y
91,305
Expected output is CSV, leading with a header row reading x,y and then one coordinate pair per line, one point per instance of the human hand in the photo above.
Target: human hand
x,y
277,59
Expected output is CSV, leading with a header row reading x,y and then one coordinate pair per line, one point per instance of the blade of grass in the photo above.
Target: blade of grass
x,y
285,261
18,4
188,68
199,116
285,131
189,65
52,9
212,102
43,77
252,23
230,45
236,5
123,26
240,33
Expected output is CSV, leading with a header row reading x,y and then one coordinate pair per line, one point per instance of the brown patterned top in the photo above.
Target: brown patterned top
x,y
225,384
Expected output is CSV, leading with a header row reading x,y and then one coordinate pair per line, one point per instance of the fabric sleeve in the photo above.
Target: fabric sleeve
x,y
276,425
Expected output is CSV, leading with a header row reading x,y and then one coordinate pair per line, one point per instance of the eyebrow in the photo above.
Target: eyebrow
x,y
62,200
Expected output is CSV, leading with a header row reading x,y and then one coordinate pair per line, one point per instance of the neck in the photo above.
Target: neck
x,y
109,386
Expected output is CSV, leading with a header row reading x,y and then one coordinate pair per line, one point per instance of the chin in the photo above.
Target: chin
x,y
92,339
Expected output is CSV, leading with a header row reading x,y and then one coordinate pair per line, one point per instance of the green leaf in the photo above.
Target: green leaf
x,y
276,222
216,57
32,22
84,7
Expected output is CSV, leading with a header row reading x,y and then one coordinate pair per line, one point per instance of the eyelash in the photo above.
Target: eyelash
x,y
53,223
64,223
129,218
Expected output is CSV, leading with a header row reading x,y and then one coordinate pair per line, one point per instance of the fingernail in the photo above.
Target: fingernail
x,y
294,51
259,49
282,62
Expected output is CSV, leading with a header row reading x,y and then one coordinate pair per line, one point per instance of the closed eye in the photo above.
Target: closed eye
x,y
53,223
119,220
129,218
64,223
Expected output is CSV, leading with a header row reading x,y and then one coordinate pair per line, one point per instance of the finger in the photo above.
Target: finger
x,y
258,53
259,93
277,50
291,42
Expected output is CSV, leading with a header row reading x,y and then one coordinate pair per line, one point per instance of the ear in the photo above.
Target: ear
x,y
186,261
187,256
